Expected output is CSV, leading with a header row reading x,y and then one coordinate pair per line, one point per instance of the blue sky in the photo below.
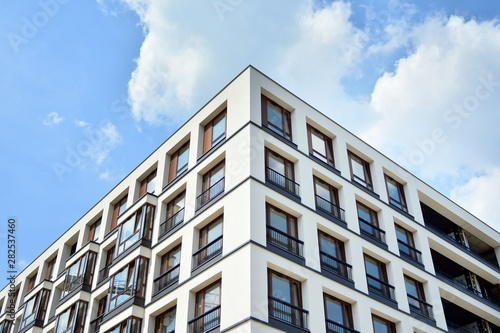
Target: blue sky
x,y
88,89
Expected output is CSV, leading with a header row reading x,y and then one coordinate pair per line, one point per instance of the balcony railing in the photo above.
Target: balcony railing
x,y
335,266
334,327
282,182
329,208
380,287
207,252
409,252
103,273
167,279
372,231
287,312
95,324
420,307
285,242
456,328
205,322
172,222
211,193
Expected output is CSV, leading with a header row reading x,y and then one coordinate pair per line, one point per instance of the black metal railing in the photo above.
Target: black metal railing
x,y
329,208
371,231
289,313
456,328
172,222
103,273
206,321
380,287
420,307
409,252
282,240
335,266
281,181
207,252
211,193
95,324
167,279
334,327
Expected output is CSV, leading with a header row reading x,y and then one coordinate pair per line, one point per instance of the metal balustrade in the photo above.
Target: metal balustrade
x,y
335,266
211,193
207,252
282,182
420,307
329,208
409,252
284,241
334,327
167,279
287,312
206,321
172,222
380,287
372,231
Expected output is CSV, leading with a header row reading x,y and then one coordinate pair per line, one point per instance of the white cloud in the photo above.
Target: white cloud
x,y
81,123
98,141
105,176
478,196
52,119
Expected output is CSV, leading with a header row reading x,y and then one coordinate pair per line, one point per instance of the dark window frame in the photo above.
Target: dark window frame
x,y
208,140
328,143
367,181
93,236
286,118
346,310
174,169
118,208
399,202
143,188
159,320
391,327
49,273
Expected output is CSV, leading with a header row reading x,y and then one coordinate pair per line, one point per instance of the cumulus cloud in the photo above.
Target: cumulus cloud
x,y
52,119
99,141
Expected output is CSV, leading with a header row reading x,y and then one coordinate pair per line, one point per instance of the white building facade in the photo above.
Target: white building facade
x,y
260,214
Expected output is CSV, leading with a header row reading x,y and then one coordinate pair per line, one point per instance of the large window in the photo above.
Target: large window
x,y
118,209
129,282
94,231
276,118
396,193
368,223
6,326
360,171
406,245
138,226
381,325
332,255
376,276
31,282
320,146
338,315
280,172
282,230
214,132
165,322
72,320
103,273
212,185
131,325
169,269
209,244
178,162
175,213
35,309
51,271
327,199
80,273
285,299
148,184
207,309
416,298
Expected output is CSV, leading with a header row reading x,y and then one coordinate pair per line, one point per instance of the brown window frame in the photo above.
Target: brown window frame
x,y
346,310
295,292
367,181
118,208
207,177
208,140
419,286
289,171
200,298
93,237
328,143
145,182
203,233
170,211
50,269
333,197
174,169
76,319
382,269
400,202
31,282
159,319
137,271
340,247
286,119
292,224
389,324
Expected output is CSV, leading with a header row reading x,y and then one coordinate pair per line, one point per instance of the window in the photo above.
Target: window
x,y
368,223
376,276
94,230
175,213
360,171
148,184
332,255
72,320
178,162
327,199
396,193
416,298
210,243
101,310
214,132
103,273
80,273
31,282
280,172
338,315
285,299
212,185
169,269
6,326
276,118
118,209
129,282
381,325
35,308
165,323
282,230
407,245
138,226
207,309
50,273
131,325
320,146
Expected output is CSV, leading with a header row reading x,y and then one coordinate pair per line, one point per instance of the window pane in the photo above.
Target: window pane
x,y
182,159
334,311
274,116
150,187
281,289
211,298
123,206
174,258
278,220
323,191
63,322
357,168
127,229
364,213
402,235
217,174
380,326
372,268
411,288
168,322
214,231
276,163
328,245
219,129
318,145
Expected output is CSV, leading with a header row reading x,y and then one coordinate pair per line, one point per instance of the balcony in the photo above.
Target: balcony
x,y
95,325
206,322
334,327
288,313
380,288
167,279
210,194
420,307
460,320
335,266
409,252
284,242
371,231
288,185
207,252
172,222
332,210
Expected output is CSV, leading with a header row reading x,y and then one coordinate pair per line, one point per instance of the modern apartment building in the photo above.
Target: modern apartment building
x,y
261,214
